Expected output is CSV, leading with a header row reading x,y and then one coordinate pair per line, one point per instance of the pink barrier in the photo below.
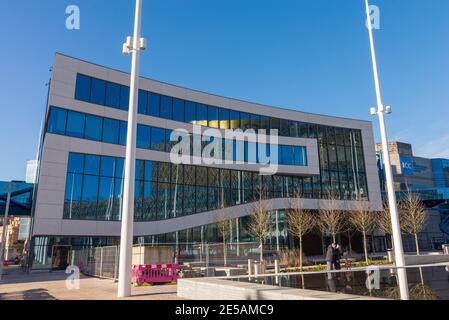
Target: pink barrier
x,y
151,273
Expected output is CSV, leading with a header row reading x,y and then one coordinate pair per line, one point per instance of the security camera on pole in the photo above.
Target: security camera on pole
x,y
381,111
132,45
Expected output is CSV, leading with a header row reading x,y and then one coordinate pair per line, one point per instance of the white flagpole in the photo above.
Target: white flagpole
x,y
396,228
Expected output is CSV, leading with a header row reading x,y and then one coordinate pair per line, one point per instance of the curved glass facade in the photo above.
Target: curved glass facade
x,y
165,190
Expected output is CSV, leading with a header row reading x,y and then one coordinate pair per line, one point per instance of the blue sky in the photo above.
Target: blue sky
x,y
309,55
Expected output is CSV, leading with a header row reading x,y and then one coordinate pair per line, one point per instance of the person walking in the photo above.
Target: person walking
x,y
330,258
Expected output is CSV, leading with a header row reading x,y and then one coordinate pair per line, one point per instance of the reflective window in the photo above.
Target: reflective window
x,y
166,107
212,116
255,122
201,115
92,165
178,110
111,131
76,163
284,128
224,118
124,98
234,117
107,166
57,121
75,124
265,123
94,126
154,101
274,124
90,195
82,90
190,112
143,136
98,91
123,132
113,95
245,121
142,102
157,139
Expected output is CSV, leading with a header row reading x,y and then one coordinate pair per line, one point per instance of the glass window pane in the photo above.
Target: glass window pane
x,y
245,121
76,163
113,95
75,124
107,166
82,90
255,122
94,126
119,167
110,131
178,110
303,130
265,123
212,116
123,132
57,121
90,195
142,102
190,112
224,118
150,170
105,198
153,104
92,165
293,128
274,124
201,115
73,191
98,91
234,116
166,107
140,169
143,136
157,139
284,128
124,97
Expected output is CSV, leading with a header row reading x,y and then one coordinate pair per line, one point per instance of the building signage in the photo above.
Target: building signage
x,y
406,165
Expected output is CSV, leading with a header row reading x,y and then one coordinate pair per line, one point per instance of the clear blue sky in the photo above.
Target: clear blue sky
x,y
310,55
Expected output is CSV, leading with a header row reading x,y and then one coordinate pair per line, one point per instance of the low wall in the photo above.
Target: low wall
x,y
220,289
428,258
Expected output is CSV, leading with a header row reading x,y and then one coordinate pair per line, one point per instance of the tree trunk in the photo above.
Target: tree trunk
x,y
349,243
261,251
334,238
300,254
417,244
225,262
365,247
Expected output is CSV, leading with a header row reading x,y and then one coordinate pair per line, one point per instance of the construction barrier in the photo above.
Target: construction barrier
x,y
154,273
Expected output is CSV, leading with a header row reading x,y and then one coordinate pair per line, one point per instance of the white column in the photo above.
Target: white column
x,y
126,240
397,238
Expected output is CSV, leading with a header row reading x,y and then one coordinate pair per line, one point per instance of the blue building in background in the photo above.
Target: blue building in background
x,y
428,177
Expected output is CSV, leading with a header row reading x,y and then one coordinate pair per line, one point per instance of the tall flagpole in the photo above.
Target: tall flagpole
x,y
396,228
133,44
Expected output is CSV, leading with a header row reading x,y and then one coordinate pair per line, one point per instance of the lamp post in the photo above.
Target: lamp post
x,y
381,111
132,45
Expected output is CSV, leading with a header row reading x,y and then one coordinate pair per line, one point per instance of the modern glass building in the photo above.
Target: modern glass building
x,y
80,179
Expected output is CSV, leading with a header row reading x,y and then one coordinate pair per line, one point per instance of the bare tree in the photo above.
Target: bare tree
x,y
260,224
331,218
363,219
414,215
224,229
299,221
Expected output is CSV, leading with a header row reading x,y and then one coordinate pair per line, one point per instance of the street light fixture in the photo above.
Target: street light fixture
x,y
381,111
132,45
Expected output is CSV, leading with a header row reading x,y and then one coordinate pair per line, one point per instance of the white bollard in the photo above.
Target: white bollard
x,y
250,268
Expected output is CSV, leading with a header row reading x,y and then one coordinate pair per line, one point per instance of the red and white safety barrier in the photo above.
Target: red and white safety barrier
x,y
154,273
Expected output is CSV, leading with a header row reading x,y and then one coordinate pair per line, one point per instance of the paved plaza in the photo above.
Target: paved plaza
x,y
18,285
